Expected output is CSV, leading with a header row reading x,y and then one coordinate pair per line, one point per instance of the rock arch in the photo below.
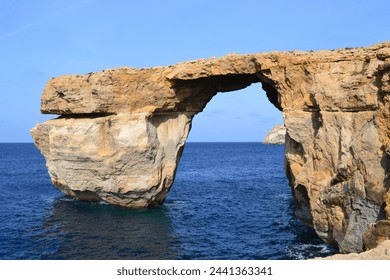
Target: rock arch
x,y
121,132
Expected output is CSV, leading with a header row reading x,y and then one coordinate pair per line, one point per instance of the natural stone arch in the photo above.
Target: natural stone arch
x,y
122,131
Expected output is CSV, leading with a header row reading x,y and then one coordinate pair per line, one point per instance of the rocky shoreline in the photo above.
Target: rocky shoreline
x,y
381,252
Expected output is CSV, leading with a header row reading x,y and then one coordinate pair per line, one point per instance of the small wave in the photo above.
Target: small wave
x,y
307,251
175,203
103,203
66,199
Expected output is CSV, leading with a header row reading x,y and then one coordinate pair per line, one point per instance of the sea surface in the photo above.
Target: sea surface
x,y
229,201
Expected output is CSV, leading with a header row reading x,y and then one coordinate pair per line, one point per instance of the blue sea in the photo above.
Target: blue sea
x,y
229,201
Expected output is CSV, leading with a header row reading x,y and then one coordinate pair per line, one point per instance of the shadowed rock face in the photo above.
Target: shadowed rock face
x,y
122,131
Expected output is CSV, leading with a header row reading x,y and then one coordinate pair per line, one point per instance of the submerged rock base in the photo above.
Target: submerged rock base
x,y
121,132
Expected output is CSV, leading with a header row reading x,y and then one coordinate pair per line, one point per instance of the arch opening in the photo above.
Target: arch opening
x,y
244,115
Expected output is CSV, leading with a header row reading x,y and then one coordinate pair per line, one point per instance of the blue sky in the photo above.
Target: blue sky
x,y
44,38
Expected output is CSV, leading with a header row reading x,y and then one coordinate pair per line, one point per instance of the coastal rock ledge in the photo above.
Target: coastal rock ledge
x,y
121,132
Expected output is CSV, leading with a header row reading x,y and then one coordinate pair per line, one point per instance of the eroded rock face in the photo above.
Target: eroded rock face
x,y
276,136
124,159
122,131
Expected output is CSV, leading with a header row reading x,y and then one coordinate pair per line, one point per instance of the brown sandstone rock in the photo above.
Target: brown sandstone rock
x,y
121,132
376,234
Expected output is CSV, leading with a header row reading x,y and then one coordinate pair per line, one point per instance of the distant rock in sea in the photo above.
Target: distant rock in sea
x,y
277,135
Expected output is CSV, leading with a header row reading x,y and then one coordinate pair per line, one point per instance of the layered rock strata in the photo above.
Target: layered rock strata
x,y
121,132
276,136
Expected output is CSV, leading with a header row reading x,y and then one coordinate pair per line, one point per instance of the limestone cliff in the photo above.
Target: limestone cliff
x,y
122,131
277,135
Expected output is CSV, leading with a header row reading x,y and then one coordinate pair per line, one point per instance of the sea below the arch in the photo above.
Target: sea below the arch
x,y
229,201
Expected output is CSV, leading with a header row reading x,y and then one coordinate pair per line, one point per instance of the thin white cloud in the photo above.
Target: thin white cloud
x,y
42,19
